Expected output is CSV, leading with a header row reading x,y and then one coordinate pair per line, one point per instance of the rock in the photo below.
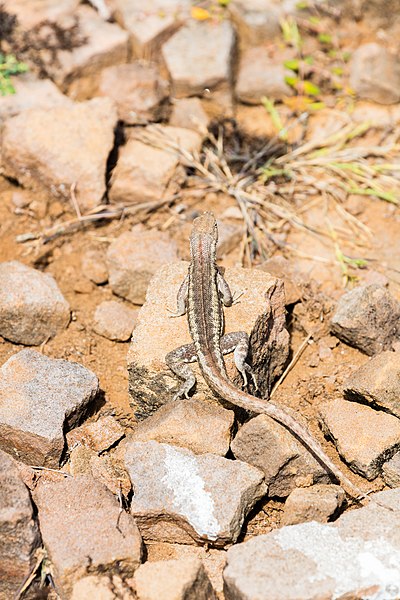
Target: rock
x,y
375,74
280,267
151,27
183,579
229,237
152,384
285,462
316,503
364,438
18,531
94,266
102,587
356,557
391,471
187,498
134,257
114,320
190,114
260,76
106,469
207,46
257,21
77,71
31,93
99,435
138,90
83,286
192,424
51,149
145,173
83,529
377,383
32,308
31,14
40,399
367,317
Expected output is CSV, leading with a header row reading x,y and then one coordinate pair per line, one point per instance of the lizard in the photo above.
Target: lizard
x,y
201,295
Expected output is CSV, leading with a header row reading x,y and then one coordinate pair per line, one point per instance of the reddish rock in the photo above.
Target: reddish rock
x,y
99,435
259,76
114,320
190,114
30,14
257,21
315,503
391,471
375,73
94,266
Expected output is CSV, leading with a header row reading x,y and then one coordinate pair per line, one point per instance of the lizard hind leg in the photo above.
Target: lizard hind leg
x,y
177,361
238,343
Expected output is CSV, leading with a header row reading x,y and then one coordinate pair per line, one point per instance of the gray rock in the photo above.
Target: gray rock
x,y
285,462
94,266
367,317
190,114
377,382
364,437
187,498
40,399
114,320
257,21
32,308
19,533
356,557
375,73
194,424
84,530
259,76
134,257
316,503
391,471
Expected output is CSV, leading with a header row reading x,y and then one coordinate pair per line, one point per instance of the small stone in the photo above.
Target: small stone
x,y
208,47
83,286
32,308
190,114
29,15
260,76
229,237
114,320
363,437
316,503
112,473
279,266
79,460
94,266
183,579
367,317
257,21
45,150
83,529
284,461
18,531
192,424
40,398
187,498
374,277
99,435
377,383
391,471
101,587
134,257
138,90
355,557
375,74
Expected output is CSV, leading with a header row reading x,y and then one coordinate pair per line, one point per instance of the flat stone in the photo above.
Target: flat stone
x,y
83,529
32,308
260,76
18,530
99,435
391,471
364,438
134,257
114,320
190,114
367,317
77,71
138,90
285,462
257,21
194,424
49,150
94,266
316,503
102,587
356,557
375,73
187,498
280,267
40,399
150,28
152,384
145,173
30,14
377,382
208,46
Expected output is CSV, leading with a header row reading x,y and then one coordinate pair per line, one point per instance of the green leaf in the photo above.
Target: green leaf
x,y
311,89
224,2
325,38
309,60
292,81
302,4
292,64
275,116
291,33
381,194
337,70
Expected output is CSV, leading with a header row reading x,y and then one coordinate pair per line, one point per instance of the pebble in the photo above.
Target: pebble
x,y
83,529
391,471
375,73
41,397
257,21
367,317
32,308
114,320
356,557
285,462
188,498
99,435
260,76
94,266
134,257
364,437
316,503
106,469
190,114
279,266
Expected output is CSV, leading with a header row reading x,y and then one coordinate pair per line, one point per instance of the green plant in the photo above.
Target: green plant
x,y
9,65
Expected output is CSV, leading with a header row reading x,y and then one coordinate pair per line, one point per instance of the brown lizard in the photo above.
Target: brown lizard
x,y
201,295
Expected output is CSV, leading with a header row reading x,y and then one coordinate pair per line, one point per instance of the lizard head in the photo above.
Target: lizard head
x,y
205,225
